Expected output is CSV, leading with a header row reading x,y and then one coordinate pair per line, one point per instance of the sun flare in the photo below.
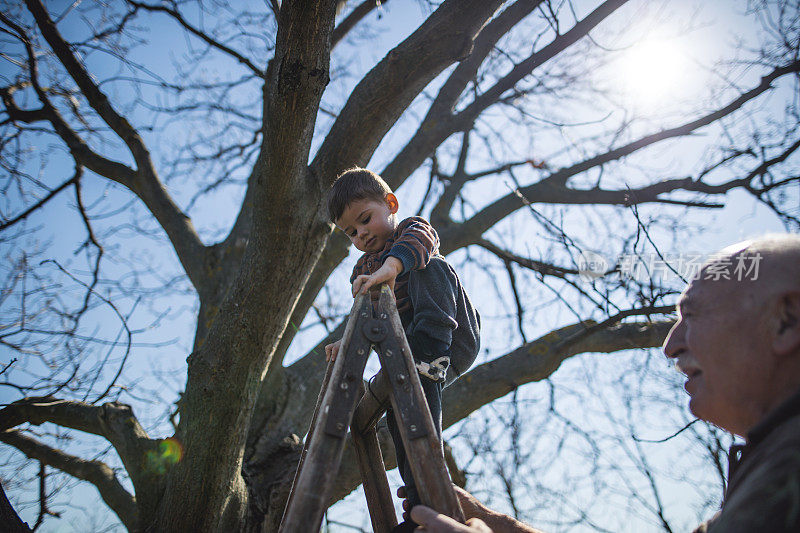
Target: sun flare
x,y
653,73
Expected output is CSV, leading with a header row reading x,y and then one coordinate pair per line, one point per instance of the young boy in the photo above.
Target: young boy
x,y
442,326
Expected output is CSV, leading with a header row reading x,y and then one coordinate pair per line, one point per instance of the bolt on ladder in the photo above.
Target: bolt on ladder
x,y
342,403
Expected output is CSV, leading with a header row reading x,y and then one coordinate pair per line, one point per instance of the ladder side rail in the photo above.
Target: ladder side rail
x,y
311,429
422,444
315,480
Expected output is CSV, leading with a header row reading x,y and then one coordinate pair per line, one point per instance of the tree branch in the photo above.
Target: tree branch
x,y
440,214
440,123
386,91
531,264
467,70
97,473
512,279
539,359
15,113
563,175
144,181
553,189
80,151
96,98
201,35
765,166
580,30
356,15
113,421
38,205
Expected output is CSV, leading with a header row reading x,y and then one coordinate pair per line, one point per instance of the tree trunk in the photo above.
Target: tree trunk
x,y
9,519
206,491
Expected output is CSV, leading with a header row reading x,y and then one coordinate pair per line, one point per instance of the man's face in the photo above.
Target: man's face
x,y
369,223
719,343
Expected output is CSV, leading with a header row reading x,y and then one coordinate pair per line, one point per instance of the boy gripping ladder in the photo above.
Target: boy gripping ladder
x,y
341,389
433,314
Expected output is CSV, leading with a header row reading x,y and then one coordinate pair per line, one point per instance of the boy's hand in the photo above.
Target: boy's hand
x,y
332,350
387,273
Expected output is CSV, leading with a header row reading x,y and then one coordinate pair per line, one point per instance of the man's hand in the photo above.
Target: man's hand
x,y
434,522
387,273
480,517
332,350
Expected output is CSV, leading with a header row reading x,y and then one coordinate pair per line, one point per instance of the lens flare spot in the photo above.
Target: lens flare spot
x,y
169,452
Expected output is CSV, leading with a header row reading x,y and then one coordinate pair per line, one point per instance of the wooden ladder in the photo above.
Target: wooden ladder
x,y
342,403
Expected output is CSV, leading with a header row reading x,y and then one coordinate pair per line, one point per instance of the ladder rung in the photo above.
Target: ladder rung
x,y
372,405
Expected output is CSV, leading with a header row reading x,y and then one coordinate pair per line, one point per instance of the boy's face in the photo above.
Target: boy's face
x,y
369,223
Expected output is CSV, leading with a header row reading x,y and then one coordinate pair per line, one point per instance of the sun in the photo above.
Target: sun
x,y
653,74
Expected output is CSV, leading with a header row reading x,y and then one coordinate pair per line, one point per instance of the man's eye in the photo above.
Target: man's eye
x,y
366,220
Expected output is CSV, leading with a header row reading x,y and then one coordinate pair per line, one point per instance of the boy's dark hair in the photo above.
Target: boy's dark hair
x,y
355,184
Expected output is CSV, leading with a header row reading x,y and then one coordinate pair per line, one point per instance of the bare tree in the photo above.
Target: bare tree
x,y
262,109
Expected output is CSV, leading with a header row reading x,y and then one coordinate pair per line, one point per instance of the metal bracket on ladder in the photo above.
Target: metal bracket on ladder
x,y
341,390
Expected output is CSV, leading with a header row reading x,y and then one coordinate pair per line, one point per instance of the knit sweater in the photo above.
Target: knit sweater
x,y
434,308
413,242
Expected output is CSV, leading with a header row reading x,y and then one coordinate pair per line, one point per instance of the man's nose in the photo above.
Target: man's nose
x,y
674,343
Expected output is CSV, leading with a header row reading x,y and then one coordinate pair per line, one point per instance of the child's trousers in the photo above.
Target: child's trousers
x,y
435,294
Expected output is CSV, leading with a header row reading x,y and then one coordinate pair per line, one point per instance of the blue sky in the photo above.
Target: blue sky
x,y
161,369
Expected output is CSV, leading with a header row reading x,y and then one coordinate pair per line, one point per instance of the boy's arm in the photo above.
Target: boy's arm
x,y
416,242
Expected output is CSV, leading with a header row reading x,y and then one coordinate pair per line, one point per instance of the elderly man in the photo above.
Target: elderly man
x,y
737,340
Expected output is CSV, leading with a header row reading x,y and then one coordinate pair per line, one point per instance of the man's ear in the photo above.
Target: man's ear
x,y
391,201
787,338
